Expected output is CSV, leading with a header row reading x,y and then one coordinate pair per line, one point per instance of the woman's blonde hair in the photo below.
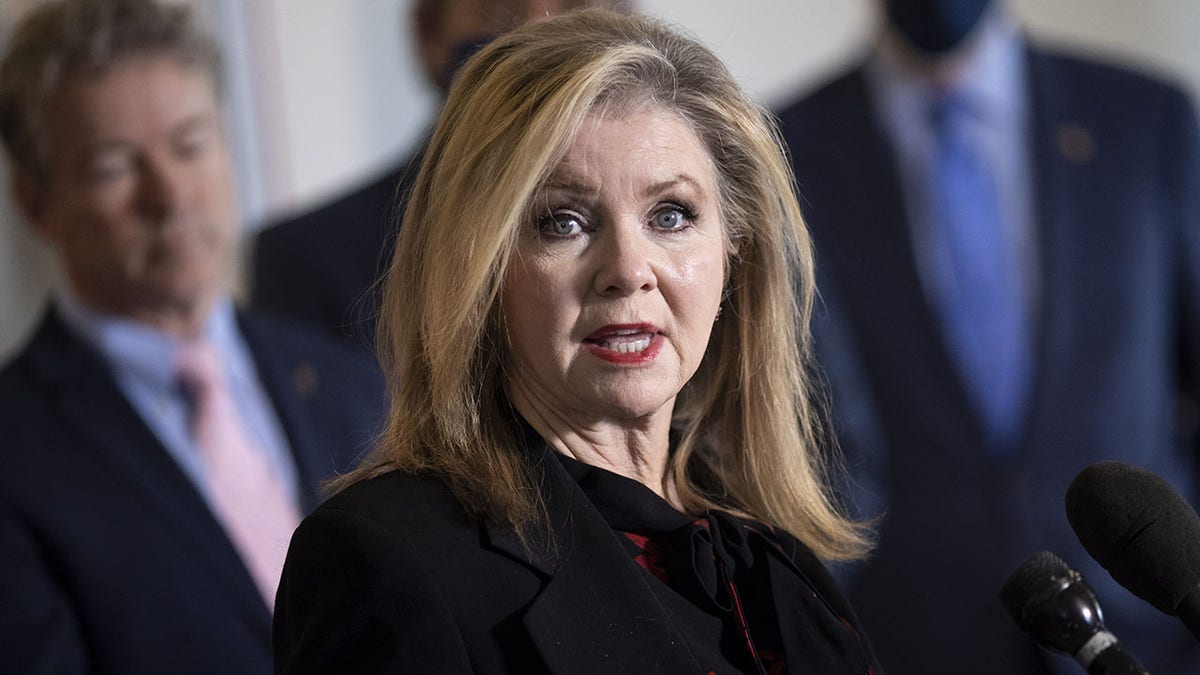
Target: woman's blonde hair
x,y
747,430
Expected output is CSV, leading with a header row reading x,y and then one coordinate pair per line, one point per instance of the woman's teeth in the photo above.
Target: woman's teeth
x,y
626,346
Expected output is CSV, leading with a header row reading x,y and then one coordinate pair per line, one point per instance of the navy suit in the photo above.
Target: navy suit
x,y
1117,182
324,266
110,560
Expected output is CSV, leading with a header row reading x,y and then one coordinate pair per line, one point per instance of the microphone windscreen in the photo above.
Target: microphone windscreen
x,y
1032,582
1051,602
1139,529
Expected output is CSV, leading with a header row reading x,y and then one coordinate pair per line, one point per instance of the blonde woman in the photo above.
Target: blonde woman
x,y
601,455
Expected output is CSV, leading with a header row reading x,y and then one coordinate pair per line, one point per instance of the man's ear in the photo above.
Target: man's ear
x,y
427,28
30,198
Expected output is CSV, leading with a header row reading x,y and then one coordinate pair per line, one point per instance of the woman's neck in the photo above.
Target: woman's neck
x,y
637,448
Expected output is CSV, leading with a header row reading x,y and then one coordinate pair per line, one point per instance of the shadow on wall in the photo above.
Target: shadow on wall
x,y
27,266
27,271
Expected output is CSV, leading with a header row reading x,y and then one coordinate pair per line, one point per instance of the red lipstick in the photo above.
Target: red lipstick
x,y
626,344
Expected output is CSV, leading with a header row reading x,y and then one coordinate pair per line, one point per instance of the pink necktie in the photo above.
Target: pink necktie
x,y
246,495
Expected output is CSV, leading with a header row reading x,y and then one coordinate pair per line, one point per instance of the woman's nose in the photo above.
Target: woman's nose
x,y
625,262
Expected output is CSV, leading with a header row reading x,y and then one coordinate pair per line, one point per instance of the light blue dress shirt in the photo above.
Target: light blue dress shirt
x,y
993,77
142,361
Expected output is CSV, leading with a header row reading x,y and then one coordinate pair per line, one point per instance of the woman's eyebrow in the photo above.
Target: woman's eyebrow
x,y
570,183
664,185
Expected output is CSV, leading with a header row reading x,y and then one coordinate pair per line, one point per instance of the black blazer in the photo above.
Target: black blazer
x,y
391,576
110,560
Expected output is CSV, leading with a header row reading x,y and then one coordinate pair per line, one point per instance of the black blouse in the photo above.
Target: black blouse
x,y
711,576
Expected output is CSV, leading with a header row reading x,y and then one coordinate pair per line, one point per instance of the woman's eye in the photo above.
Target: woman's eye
x,y
561,223
670,218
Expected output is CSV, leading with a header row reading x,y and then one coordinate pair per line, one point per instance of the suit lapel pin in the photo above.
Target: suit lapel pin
x,y
304,379
1075,143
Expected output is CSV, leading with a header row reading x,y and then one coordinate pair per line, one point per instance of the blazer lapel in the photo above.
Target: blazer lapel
x,y
615,625
290,382
1060,149
867,238
108,426
799,601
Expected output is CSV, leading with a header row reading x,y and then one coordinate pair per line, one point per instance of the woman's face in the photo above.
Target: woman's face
x,y
619,271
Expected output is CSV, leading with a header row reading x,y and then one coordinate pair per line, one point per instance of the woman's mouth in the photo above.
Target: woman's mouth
x,y
626,343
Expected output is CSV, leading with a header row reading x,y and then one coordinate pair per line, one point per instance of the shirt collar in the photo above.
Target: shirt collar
x,y
146,353
992,77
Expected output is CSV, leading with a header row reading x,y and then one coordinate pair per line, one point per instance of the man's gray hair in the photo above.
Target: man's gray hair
x,y
59,39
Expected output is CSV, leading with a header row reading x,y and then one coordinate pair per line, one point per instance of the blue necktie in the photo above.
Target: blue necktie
x,y
977,280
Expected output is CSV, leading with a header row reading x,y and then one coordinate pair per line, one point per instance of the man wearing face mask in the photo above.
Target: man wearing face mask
x,y
1009,256
322,266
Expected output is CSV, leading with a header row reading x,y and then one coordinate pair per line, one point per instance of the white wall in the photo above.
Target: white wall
x,y
352,96
327,93
1163,35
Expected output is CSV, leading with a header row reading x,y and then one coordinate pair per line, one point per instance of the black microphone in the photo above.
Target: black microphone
x,y
1053,604
1143,532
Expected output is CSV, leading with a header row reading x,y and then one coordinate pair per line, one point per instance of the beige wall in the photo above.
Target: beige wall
x,y
327,93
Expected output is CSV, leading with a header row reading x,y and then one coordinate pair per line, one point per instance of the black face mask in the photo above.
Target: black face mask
x,y
935,26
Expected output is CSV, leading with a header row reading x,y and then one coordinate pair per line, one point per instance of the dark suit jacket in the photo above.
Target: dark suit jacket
x,y
390,576
1117,180
110,560
324,267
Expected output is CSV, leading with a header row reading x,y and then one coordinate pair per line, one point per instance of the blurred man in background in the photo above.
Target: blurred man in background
x,y
159,446
322,266
1009,255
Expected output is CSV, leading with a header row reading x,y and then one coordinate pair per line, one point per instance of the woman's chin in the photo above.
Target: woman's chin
x,y
633,408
